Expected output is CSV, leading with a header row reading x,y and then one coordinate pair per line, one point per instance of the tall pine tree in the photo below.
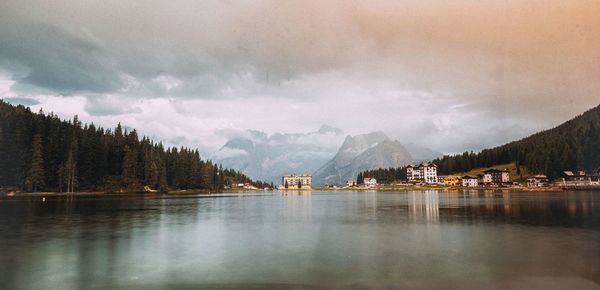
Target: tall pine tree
x,y
36,178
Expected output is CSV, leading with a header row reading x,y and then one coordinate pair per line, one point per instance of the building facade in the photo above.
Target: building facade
x,y
296,181
426,172
452,180
469,181
440,179
487,178
580,178
496,176
539,180
369,182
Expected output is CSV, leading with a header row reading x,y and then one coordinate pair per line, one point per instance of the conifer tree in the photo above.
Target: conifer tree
x,y
36,176
162,180
70,168
129,166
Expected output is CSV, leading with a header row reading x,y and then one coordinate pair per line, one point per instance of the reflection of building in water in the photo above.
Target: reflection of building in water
x,y
370,199
506,202
451,199
424,204
297,204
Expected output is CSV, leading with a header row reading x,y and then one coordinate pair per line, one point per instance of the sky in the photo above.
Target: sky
x,y
449,75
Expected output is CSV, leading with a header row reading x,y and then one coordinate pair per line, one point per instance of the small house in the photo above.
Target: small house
x,y
469,181
539,180
370,182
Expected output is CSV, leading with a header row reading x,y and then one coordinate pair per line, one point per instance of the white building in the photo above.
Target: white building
x,y
497,176
296,181
469,181
580,178
370,182
351,182
426,172
539,180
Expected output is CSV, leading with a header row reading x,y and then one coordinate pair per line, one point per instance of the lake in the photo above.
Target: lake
x,y
302,240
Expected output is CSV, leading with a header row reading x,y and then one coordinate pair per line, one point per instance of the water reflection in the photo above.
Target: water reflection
x,y
425,205
424,239
297,203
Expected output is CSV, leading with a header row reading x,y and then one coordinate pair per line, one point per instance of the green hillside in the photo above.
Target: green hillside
x,y
515,175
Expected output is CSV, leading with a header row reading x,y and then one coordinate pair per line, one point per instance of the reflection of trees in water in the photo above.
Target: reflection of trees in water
x,y
529,208
571,209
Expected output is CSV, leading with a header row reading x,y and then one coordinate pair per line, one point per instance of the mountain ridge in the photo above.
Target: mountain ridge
x,y
359,153
269,157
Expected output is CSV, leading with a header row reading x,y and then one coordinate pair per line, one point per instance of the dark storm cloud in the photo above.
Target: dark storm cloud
x,y
514,66
49,58
22,101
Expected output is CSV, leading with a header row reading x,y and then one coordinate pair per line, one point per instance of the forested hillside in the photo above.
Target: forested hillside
x,y
573,145
40,152
383,175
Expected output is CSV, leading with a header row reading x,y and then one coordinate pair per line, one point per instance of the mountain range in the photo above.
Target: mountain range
x,y
360,153
269,157
331,155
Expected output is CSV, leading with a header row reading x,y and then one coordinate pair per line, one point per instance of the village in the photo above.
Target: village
x,y
426,175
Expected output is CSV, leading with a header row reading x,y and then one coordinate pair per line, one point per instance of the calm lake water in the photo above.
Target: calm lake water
x,y
407,240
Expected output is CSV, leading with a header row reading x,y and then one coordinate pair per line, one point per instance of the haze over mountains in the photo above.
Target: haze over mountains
x,y
319,153
269,157
359,153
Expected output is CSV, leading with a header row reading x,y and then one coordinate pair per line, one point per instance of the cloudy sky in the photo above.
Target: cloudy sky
x,y
451,75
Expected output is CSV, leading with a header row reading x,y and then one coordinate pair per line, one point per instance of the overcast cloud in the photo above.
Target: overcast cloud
x,y
451,75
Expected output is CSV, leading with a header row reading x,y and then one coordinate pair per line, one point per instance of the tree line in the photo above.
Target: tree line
x,y
41,152
383,175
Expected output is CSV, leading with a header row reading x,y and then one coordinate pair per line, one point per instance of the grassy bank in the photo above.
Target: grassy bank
x,y
123,193
444,188
511,167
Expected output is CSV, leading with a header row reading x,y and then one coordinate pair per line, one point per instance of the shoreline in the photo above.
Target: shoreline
x,y
189,192
443,188
132,193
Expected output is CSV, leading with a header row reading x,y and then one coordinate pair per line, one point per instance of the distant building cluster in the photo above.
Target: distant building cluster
x,y
489,178
296,181
426,173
